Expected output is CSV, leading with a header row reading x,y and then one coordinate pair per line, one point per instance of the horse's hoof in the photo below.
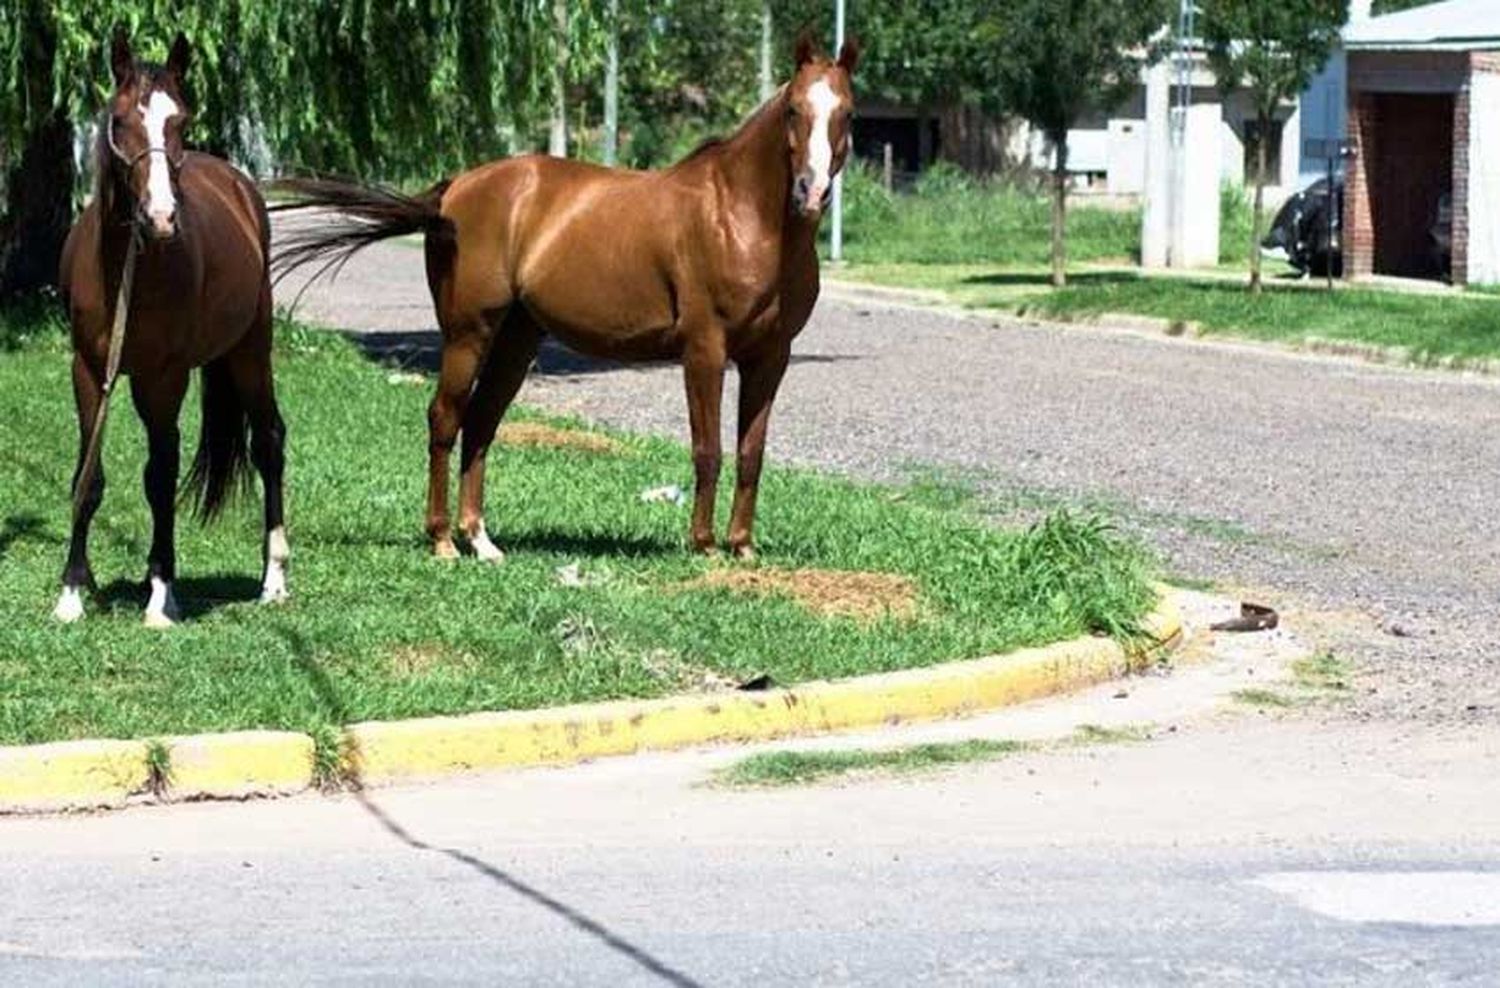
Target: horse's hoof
x,y
161,609
275,595
484,549
69,606
444,549
744,553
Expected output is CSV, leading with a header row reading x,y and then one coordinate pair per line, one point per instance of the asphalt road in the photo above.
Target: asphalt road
x,y
1325,863
1361,496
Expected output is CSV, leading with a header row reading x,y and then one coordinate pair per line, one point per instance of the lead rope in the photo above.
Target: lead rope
x,y
111,372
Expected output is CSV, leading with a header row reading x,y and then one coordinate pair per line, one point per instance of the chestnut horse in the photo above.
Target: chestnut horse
x,y
193,233
709,261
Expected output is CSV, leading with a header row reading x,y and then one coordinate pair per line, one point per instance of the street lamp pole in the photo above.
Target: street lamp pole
x,y
836,241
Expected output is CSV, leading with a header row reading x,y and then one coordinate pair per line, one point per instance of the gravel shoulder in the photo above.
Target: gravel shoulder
x,y
1357,497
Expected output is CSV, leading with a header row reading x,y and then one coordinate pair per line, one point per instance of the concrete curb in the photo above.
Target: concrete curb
x,y
103,774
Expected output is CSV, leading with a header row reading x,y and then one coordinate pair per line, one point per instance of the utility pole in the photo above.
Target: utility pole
x,y
1182,102
612,87
767,84
836,241
557,137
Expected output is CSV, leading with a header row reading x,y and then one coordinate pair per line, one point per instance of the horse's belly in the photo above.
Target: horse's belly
x,y
617,314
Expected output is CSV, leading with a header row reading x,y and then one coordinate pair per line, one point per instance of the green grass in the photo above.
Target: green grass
x,y
951,219
1431,328
799,768
377,629
1258,697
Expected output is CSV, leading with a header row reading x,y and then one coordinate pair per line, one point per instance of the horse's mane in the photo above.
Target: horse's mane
x,y
718,142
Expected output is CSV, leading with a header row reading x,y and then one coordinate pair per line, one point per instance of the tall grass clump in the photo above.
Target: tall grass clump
x,y
1236,216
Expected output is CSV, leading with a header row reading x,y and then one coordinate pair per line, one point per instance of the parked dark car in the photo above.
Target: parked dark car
x,y
1300,231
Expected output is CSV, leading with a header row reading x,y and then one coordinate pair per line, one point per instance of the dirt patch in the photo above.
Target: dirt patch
x,y
408,661
550,437
835,593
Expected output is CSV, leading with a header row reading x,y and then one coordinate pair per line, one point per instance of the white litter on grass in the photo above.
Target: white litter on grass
x,y
670,494
572,575
405,377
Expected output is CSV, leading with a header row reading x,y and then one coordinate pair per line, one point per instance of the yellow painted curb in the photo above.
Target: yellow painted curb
x,y
394,751
91,774
71,775
240,764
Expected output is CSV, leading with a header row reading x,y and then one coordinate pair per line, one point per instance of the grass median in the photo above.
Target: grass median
x,y
599,598
1431,328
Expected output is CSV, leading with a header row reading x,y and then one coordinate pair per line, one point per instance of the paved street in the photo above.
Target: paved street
x,y
1226,851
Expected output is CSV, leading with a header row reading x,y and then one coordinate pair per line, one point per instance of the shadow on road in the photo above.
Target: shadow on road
x,y
337,712
421,351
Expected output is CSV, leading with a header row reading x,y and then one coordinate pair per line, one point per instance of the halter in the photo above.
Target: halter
x,y
130,161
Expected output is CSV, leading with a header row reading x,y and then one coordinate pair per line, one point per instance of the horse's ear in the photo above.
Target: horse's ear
x,y
181,56
807,48
849,56
121,59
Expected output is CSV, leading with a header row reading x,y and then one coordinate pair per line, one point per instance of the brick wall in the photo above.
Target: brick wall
x,y
1461,187
1359,226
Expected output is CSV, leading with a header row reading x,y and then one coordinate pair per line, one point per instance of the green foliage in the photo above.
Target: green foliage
x,y
1061,59
1236,214
1272,47
951,218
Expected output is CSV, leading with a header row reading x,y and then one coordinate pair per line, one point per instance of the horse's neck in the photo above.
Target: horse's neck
x,y
756,165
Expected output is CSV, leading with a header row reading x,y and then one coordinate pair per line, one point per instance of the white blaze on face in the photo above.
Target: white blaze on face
x,y
818,175
161,203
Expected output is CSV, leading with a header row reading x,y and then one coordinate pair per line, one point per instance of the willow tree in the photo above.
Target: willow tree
x,y
404,92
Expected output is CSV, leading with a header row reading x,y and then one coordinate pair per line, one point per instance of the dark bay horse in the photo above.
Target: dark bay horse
x,y
709,261
200,297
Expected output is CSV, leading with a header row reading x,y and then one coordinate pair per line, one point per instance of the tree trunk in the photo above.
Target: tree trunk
x,y
557,138
1060,211
612,87
1263,122
767,84
39,187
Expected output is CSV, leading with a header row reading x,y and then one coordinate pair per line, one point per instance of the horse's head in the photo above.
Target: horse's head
x,y
819,121
143,128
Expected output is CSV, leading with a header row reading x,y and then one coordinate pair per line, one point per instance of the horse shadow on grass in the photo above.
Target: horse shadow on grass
x,y
26,527
422,351
337,711
196,596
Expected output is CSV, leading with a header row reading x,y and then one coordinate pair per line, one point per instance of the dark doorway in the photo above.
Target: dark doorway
x,y
1411,178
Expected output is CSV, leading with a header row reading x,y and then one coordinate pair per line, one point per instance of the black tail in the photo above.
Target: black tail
x,y
366,214
222,466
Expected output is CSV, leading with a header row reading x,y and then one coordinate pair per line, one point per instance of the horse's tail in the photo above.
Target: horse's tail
x,y
362,215
222,466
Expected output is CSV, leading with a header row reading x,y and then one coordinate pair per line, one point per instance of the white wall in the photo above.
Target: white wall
x,y
1484,179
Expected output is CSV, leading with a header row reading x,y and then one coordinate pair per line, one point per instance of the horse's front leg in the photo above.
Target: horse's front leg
x,y
703,368
78,575
759,379
158,399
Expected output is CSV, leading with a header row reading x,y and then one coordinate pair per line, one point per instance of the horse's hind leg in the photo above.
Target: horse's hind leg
x,y
466,343
250,369
158,401
504,373
78,575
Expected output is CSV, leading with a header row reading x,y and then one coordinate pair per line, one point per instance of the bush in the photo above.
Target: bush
x,y
1236,215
